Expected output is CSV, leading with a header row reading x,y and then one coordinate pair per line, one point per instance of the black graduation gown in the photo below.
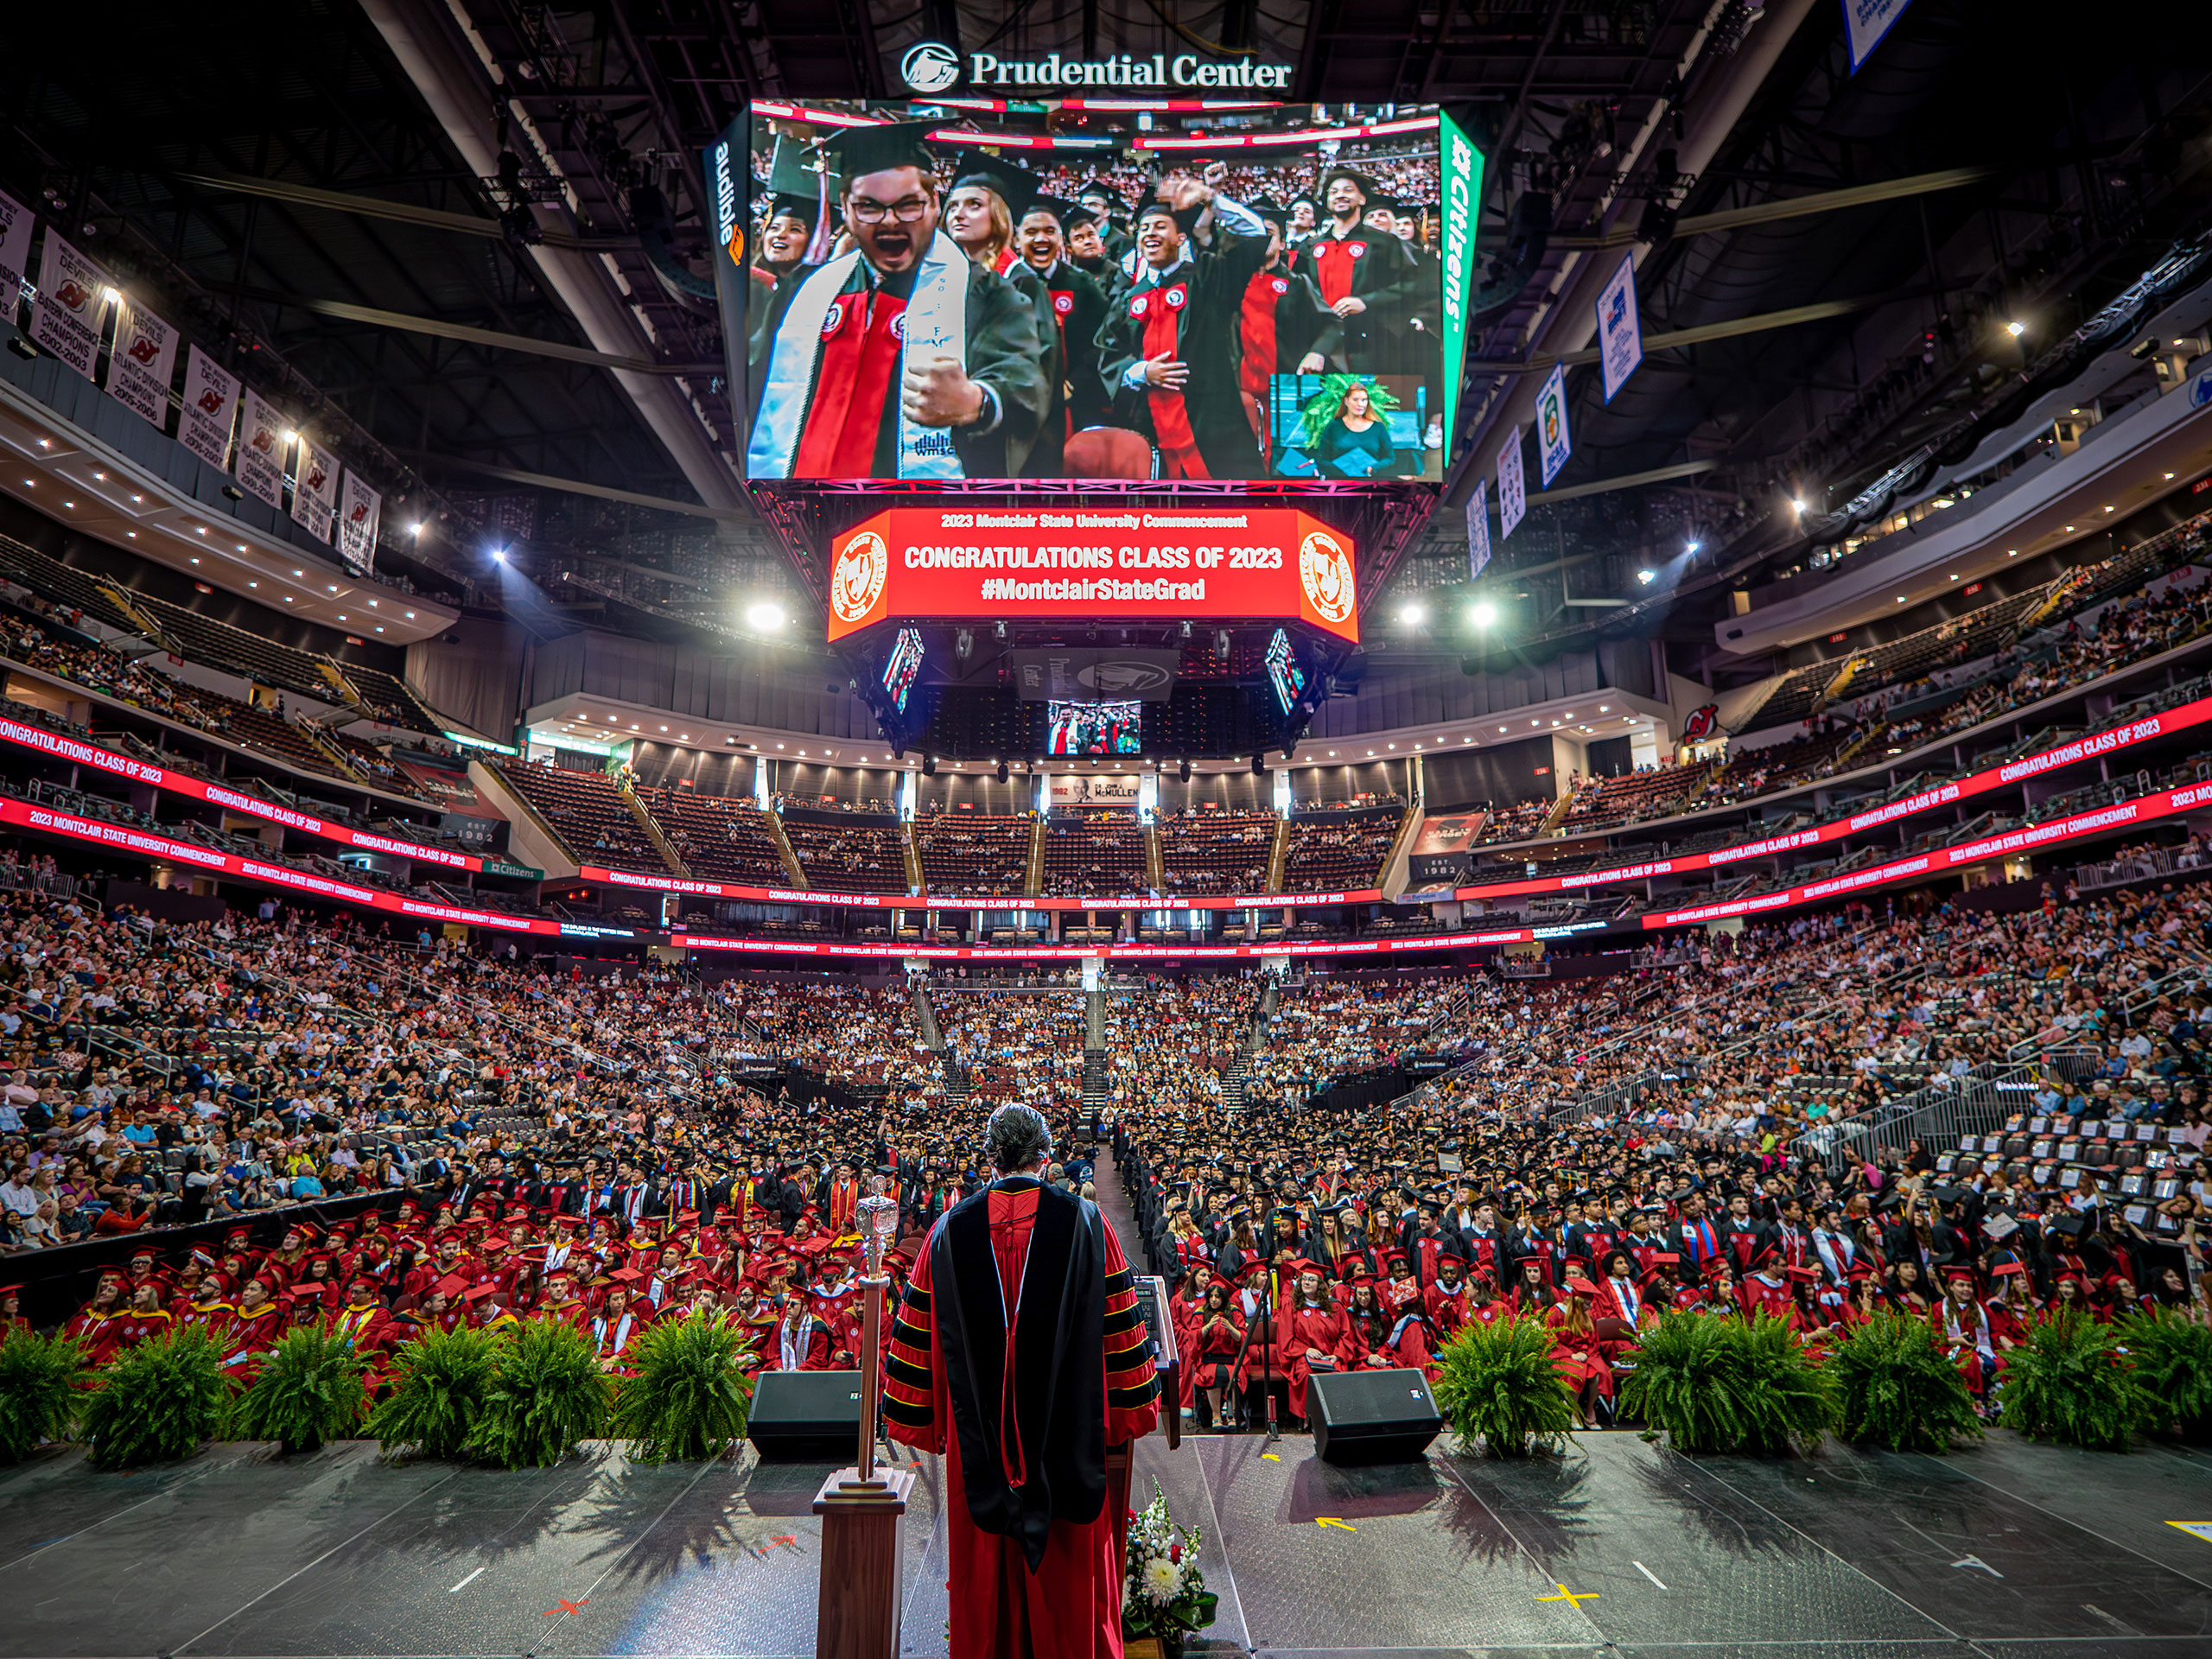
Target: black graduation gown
x,y
1205,292
1384,275
1004,353
1079,301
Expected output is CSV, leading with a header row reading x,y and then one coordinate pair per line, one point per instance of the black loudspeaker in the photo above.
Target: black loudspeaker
x,y
1370,1416
810,1416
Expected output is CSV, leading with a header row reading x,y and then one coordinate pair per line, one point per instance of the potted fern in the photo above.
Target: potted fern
x,y
2070,1382
438,1384
690,1397
1500,1385
309,1391
39,1378
158,1402
1715,1384
2173,1362
547,1397
1896,1389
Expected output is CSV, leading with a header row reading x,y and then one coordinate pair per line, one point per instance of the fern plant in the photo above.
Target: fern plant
x,y
2173,1362
547,1396
309,1391
39,1381
690,1397
1715,1384
1500,1384
438,1384
158,1402
1898,1389
2069,1382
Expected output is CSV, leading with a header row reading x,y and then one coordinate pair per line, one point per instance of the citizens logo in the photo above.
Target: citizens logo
x,y
1325,571
857,583
930,67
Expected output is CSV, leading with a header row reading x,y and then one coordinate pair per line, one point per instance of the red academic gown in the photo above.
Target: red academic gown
x,y
1070,1607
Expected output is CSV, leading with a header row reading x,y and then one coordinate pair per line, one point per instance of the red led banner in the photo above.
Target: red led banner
x,y
942,901
146,844
1151,563
140,771
2090,748
2144,809
1117,952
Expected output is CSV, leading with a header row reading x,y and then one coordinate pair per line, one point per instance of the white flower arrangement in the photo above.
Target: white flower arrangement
x,y
1164,1592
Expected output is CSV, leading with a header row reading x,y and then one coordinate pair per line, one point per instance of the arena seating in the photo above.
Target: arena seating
x,y
720,837
1216,852
586,811
848,854
1340,850
971,853
1093,853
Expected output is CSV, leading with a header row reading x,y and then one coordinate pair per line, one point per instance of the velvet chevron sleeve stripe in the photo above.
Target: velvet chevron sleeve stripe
x,y
909,1381
1132,1379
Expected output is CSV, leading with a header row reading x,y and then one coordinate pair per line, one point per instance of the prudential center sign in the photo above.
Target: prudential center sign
x,y
932,67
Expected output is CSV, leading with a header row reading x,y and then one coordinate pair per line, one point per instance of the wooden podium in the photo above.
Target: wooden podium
x,y
863,1548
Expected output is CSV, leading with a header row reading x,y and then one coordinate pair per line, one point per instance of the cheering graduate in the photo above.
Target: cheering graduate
x,y
1079,304
1169,344
901,358
1019,1355
1364,274
1282,327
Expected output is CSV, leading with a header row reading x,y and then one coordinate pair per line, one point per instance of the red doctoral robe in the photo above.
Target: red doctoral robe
x,y
1070,1607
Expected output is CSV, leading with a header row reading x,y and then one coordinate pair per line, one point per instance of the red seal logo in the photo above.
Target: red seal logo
x,y
833,319
1174,297
1064,304
1358,249
1140,305
1280,286
899,327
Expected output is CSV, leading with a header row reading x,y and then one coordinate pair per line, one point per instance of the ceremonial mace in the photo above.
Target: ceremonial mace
x,y
864,1509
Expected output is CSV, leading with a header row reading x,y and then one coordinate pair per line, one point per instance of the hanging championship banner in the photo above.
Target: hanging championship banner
x,y
314,490
142,361
65,319
211,399
1478,530
1864,23
1512,487
1552,440
15,221
262,450
359,512
1620,333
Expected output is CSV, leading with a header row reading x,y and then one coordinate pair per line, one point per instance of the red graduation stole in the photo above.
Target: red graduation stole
x,y
1334,262
1256,334
1160,310
862,334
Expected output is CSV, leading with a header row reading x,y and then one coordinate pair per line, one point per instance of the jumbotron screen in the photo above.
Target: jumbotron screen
x,y
971,297
1093,727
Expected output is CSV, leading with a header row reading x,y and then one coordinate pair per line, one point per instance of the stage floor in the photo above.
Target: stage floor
x,y
2009,1550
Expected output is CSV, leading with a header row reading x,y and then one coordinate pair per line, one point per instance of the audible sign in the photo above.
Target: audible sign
x,y
1148,563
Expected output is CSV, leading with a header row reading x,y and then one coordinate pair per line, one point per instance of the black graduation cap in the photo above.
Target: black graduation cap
x,y
856,151
1269,213
807,208
1014,186
1070,213
1368,187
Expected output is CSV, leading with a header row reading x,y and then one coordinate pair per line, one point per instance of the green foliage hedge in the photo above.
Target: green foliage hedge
x,y
690,1396
39,1379
1715,1384
1898,1389
158,1402
438,1384
1500,1385
309,1391
547,1397
2070,1382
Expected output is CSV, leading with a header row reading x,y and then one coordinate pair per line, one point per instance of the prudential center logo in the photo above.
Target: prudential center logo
x,y
930,67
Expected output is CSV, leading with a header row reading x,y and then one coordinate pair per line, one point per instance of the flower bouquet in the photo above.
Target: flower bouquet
x,y
1164,1596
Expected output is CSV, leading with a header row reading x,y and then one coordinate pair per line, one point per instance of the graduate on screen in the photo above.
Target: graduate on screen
x,y
902,358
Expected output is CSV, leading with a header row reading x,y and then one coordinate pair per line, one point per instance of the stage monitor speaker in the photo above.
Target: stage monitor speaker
x,y
1370,1416
806,1416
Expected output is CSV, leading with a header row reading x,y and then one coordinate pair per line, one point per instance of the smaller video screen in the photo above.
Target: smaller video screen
x,y
904,664
1093,727
1284,673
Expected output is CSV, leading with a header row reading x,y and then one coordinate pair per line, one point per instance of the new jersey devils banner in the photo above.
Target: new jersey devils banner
x,y
314,489
1151,562
140,366
66,319
357,523
261,444
211,397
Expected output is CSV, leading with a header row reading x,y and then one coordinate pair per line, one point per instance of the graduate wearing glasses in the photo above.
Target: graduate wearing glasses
x,y
900,358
